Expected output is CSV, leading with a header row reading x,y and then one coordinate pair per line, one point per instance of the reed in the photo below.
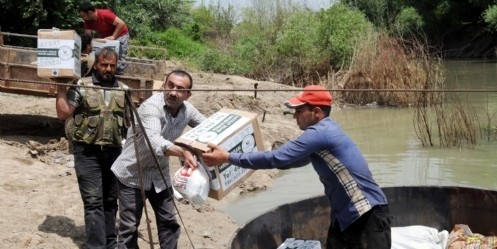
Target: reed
x,y
382,61
449,123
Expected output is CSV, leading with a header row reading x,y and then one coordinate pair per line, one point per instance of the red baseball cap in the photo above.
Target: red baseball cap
x,y
315,95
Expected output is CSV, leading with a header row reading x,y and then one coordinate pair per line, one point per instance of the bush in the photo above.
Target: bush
x,y
214,61
143,16
297,50
177,44
408,20
340,28
490,17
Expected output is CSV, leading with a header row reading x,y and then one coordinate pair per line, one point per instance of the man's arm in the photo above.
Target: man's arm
x,y
292,154
64,109
119,23
189,160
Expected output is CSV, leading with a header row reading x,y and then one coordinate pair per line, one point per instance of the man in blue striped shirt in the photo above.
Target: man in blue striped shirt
x,y
360,217
164,117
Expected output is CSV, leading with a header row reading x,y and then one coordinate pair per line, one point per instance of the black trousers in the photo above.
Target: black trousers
x,y
98,188
371,231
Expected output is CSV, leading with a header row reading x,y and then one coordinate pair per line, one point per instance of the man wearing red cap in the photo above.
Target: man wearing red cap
x,y
360,217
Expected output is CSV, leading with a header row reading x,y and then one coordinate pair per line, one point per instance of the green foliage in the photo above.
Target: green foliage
x,y
279,41
380,12
203,23
441,9
144,16
212,22
297,46
178,44
408,20
490,17
26,17
253,53
225,20
298,36
214,61
340,28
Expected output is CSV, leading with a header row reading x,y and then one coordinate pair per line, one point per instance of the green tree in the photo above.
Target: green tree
x,y
490,17
408,21
143,16
340,28
26,17
379,12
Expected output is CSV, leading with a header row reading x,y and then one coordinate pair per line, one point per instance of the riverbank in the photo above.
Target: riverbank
x,y
42,207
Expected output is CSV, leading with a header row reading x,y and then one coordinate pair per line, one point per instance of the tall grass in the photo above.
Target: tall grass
x,y
450,123
381,61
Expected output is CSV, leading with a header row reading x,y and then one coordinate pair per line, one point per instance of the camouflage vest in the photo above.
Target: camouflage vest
x,y
94,121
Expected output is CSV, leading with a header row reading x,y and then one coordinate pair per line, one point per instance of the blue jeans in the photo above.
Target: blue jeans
x,y
98,188
123,53
130,213
370,231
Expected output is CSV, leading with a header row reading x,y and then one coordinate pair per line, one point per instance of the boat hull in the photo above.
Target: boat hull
x,y
437,207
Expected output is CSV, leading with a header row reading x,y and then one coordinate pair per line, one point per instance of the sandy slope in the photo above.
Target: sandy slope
x,y
41,205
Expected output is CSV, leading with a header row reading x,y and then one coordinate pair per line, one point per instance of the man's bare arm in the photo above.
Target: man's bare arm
x,y
64,109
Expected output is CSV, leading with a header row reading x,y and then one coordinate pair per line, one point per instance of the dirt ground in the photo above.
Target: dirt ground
x,y
41,206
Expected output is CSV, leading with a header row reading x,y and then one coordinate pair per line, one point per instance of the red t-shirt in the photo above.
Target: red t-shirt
x,y
104,24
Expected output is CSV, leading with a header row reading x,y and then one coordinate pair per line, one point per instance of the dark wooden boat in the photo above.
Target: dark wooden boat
x,y
437,207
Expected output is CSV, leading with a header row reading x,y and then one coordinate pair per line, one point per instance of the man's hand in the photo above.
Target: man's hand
x,y
189,159
217,155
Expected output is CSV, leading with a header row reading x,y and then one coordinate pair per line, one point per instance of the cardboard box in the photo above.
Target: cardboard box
x,y
97,44
58,53
235,131
293,243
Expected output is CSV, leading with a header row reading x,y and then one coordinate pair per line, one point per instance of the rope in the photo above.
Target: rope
x,y
36,37
255,86
20,35
469,90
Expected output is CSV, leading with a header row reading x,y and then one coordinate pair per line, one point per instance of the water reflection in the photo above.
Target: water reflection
x,y
396,157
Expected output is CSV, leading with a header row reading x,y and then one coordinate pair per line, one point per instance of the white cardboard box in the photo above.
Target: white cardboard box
x,y
58,53
293,243
234,130
97,44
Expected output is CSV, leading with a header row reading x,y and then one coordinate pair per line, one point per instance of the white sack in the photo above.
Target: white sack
x,y
192,184
418,237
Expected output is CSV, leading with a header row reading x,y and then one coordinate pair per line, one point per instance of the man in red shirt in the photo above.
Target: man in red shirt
x,y
107,26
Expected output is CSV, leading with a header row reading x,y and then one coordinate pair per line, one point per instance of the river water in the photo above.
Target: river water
x,y
396,157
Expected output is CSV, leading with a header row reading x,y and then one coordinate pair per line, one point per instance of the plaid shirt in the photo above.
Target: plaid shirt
x,y
162,129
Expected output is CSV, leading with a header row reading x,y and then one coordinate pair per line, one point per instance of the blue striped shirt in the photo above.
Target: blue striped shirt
x,y
348,182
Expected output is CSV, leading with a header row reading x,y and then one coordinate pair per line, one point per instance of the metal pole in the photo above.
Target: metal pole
x,y
1,36
255,92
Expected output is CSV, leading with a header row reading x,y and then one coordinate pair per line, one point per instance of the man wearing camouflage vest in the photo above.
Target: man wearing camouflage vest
x,y
100,121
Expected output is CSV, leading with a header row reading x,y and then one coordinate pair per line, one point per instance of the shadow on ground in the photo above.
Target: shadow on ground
x,y
21,127
64,227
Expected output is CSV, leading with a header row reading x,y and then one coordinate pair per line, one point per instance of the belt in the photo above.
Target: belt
x,y
97,147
